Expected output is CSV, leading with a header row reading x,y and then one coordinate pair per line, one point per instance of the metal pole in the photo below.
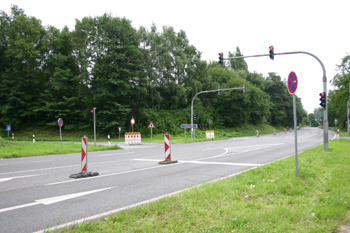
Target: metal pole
x,y
227,89
295,135
325,111
61,138
95,125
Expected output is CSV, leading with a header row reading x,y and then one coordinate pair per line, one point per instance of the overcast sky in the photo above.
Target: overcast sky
x,y
317,27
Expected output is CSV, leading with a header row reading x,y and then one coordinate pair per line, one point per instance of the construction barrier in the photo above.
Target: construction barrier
x,y
167,150
84,155
132,138
209,134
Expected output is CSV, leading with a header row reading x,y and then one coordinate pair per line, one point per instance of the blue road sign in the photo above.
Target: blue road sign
x,y
8,127
184,126
292,82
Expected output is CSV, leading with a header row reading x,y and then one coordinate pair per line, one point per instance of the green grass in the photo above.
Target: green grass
x,y
267,199
11,149
45,134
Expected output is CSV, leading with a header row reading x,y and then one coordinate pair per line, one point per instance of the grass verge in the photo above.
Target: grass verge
x,y
10,149
267,199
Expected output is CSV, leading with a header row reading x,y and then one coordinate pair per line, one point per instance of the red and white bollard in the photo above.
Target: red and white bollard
x,y
338,134
257,133
285,131
167,150
84,155
274,131
84,152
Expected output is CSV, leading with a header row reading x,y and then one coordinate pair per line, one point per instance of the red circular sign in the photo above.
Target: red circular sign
x,y
292,82
60,122
132,121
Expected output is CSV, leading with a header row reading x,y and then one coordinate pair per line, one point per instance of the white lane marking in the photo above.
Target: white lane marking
x,y
118,154
50,168
52,200
112,174
213,148
42,161
212,163
16,177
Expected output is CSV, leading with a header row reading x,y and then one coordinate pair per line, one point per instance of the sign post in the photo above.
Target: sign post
x,y
60,123
292,87
151,126
8,128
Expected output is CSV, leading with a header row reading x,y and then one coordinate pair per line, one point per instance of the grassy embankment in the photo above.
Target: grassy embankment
x,y
267,199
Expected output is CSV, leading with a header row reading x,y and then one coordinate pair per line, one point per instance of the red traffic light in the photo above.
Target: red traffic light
x,y
321,94
271,47
92,111
220,54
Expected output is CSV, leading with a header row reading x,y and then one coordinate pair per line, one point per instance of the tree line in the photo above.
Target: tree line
x,y
152,75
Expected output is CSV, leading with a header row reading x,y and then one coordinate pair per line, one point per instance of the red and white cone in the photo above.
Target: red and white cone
x,y
167,151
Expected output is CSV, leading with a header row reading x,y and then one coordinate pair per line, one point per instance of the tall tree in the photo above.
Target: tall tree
x,y
111,64
23,80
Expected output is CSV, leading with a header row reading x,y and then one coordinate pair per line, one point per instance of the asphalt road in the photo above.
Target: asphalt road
x,y
36,193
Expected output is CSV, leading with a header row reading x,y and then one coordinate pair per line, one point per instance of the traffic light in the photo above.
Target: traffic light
x,y
219,92
194,117
272,53
349,116
323,100
221,58
92,113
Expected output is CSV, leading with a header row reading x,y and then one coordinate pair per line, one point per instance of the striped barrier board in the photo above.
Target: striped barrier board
x,y
132,138
167,151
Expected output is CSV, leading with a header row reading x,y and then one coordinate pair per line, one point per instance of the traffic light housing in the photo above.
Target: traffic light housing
x,y
272,53
219,92
221,58
92,113
323,100
194,117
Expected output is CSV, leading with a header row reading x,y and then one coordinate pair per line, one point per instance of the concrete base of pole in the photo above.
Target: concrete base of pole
x,y
83,175
168,161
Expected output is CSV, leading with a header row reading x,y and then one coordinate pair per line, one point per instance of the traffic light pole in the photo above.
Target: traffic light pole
x,y
325,111
228,89
94,125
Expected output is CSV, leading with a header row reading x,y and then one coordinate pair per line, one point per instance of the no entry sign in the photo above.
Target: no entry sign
x,y
292,82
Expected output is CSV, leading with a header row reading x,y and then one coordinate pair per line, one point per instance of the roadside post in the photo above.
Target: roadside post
x,y
13,136
109,141
60,123
274,131
119,128
167,151
84,161
292,87
33,138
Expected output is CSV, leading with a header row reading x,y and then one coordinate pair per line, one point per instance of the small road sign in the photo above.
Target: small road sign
x,y
8,127
60,122
292,82
184,126
132,121
151,125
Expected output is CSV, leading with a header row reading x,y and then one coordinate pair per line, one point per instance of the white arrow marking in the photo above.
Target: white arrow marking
x,y
17,177
52,200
